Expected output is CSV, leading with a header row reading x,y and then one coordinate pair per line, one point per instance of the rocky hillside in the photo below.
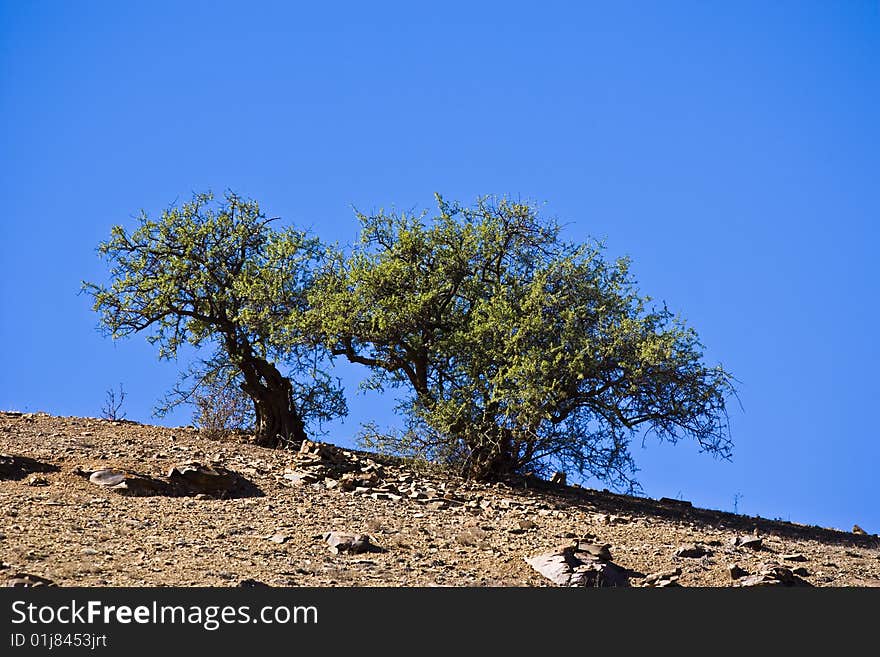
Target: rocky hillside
x,y
91,502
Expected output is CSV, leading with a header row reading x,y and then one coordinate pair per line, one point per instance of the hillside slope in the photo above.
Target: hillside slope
x,y
267,519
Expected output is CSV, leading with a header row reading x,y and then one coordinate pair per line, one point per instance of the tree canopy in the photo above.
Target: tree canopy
x,y
519,351
217,274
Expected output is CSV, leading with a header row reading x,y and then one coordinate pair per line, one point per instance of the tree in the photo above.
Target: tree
x,y
519,351
218,274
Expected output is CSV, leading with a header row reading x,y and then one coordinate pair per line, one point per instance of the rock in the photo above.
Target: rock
x,y
298,477
108,478
351,543
278,538
202,479
558,478
800,571
691,551
793,557
25,579
858,530
737,572
772,575
570,566
37,480
673,502
127,483
750,542
89,552
252,584
351,481
525,524
601,552
663,579
80,471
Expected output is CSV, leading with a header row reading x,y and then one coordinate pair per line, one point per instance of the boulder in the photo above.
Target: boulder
x,y
198,478
580,565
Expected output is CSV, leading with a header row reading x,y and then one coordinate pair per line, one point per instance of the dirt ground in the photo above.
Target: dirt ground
x,y
270,528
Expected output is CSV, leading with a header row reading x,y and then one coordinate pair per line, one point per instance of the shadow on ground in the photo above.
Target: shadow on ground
x,y
19,467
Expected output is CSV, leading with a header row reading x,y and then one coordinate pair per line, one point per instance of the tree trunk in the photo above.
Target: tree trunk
x,y
278,422
493,458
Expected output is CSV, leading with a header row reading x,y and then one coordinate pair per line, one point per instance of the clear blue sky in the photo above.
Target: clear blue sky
x,y
732,149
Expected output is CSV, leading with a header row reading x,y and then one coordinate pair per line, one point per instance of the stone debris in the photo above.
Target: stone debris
x,y
351,543
435,529
25,579
582,565
692,551
772,574
663,579
37,480
608,519
858,530
347,471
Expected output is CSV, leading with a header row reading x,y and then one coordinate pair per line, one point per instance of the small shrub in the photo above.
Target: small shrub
x,y
222,409
112,408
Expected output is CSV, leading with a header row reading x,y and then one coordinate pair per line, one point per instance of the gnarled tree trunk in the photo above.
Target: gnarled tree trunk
x,y
278,422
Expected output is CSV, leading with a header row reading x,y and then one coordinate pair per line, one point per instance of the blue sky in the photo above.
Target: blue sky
x,y
731,149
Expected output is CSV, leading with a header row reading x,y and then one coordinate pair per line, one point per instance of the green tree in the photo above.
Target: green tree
x,y
217,274
519,351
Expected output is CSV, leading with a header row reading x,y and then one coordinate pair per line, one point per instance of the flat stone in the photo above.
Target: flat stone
x,y
27,580
351,543
750,542
601,552
297,477
201,478
793,557
278,538
570,567
772,575
109,477
663,579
